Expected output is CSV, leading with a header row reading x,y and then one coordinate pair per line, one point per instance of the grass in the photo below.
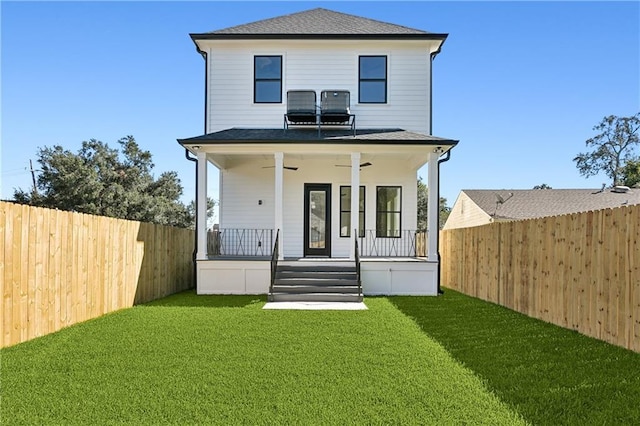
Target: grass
x,y
548,374
407,360
197,359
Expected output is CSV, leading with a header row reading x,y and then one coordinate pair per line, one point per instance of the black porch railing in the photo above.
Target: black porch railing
x,y
408,243
357,256
240,242
274,265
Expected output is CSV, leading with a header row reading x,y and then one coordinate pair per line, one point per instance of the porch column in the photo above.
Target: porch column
x,y
355,201
433,211
279,170
201,206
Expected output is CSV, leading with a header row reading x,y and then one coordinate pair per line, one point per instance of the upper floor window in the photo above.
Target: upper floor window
x,y
267,82
372,87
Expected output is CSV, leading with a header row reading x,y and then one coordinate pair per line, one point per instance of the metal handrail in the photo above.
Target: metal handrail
x,y
240,242
357,257
403,244
274,264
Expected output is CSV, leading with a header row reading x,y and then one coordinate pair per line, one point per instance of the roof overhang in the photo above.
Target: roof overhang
x,y
433,42
415,147
269,36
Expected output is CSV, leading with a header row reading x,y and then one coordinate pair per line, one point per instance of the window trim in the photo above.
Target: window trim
x,y
364,207
385,80
256,79
389,211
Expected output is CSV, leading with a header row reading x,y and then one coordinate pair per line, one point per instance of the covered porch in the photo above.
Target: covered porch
x,y
294,188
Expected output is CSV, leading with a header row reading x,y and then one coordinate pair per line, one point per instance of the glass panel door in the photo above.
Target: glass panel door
x,y
317,219
317,216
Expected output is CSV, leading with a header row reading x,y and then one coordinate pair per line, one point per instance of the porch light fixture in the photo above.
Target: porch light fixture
x,y
438,150
196,147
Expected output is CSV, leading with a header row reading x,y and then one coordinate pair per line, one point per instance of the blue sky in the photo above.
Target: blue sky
x,y
520,84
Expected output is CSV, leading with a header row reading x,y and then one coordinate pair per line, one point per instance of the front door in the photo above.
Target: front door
x,y
317,219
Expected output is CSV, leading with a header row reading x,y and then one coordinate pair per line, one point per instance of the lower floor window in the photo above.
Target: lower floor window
x,y
388,211
345,211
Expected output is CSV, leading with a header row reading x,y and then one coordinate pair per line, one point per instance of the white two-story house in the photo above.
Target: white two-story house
x,y
317,123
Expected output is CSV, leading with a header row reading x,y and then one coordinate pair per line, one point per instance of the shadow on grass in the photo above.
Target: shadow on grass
x,y
191,299
549,374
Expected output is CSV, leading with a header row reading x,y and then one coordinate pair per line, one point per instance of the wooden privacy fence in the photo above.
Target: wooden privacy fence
x,y
579,271
60,268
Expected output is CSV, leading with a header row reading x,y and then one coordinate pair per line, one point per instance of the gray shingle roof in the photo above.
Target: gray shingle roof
x,y
535,203
369,136
319,22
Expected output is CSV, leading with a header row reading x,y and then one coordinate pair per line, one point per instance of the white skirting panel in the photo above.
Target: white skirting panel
x,y
390,277
233,277
379,277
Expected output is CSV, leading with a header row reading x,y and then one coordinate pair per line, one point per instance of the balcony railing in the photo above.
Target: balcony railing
x,y
240,242
408,243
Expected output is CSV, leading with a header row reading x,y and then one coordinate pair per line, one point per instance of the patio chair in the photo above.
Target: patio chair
x,y
334,108
301,108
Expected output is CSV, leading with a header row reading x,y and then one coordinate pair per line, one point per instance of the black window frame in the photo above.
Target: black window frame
x,y
384,80
379,212
256,79
360,212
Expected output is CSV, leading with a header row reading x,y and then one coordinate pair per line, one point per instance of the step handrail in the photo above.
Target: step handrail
x,y
274,263
357,257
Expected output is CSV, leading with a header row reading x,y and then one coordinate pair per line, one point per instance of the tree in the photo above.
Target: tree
x,y
631,173
211,203
423,204
612,147
543,186
103,181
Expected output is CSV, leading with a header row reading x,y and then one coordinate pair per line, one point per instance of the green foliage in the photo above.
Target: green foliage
x,y
192,208
613,147
191,359
423,206
543,186
631,174
103,181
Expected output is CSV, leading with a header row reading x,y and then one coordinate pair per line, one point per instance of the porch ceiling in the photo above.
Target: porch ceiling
x,y
232,160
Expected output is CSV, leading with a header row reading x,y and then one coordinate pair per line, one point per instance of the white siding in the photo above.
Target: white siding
x,y
319,65
244,185
242,189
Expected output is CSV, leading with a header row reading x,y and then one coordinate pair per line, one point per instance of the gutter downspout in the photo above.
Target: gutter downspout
x,y
195,160
195,248
441,160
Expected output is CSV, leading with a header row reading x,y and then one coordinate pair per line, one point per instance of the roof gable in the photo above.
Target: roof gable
x,y
516,204
318,23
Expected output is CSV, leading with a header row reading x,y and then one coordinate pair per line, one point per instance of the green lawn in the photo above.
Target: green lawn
x,y
407,360
188,359
548,374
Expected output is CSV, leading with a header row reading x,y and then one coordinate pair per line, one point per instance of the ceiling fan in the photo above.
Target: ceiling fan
x,y
284,167
366,164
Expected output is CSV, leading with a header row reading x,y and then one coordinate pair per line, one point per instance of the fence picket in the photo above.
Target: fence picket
x,y
579,271
60,268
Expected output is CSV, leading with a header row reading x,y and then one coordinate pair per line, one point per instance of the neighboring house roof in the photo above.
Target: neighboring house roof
x,y
367,136
318,23
535,203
